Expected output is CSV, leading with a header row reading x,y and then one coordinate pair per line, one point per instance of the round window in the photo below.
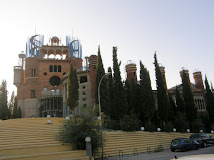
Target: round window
x,y
55,81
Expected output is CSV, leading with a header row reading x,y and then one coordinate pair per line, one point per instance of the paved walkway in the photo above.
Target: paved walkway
x,y
201,154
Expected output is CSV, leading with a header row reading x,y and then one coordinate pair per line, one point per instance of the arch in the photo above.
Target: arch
x,y
51,56
50,68
59,68
43,53
58,51
55,68
50,51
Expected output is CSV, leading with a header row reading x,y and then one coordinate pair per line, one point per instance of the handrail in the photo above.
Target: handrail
x,y
135,151
120,151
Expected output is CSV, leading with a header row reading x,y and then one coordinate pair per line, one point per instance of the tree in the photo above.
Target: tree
x,y
189,105
110,94
73,86
11,105
162,97
130,92
75,130
3,100
120,104
179,101
172,109
19,113
15,109
147,101
210,101
100,72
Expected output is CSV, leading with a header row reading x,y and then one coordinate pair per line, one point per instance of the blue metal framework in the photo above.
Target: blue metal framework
x,y
75,47
33,44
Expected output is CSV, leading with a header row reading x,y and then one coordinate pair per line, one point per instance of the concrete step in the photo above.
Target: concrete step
x,y
32,141
47,156
34,149
21,136
27,143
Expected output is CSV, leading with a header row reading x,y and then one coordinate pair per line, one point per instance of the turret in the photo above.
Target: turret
x,y
131,71
162,70
187,74
17,80
198,80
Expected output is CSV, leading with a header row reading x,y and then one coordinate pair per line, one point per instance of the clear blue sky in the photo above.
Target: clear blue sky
x,y
181,31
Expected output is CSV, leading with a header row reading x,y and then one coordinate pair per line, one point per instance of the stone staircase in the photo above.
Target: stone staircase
x,y
34,139
124,143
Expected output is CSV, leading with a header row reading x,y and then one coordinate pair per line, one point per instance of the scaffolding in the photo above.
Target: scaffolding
x,y
75,47
33,44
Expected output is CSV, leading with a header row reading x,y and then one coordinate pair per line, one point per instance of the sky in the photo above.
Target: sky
x,y
180,31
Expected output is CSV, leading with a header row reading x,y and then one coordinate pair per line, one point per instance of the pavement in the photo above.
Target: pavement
x,y
201,154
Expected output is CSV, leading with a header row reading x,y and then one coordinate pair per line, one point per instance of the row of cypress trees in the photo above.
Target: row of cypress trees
x,y
137,100
130,98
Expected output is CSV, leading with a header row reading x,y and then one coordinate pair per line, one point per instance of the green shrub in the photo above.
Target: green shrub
x,y
129,123
112,124
150,127
75,131
180,123
168,127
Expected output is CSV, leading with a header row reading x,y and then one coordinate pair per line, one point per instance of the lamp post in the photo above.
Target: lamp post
x,y
107,74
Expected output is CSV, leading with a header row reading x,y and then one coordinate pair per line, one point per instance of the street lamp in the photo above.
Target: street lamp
x,y
107,74
142,128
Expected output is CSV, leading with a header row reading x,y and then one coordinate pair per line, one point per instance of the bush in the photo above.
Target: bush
x,y
180,123
112,124
129,123
168,127
75,131
150,127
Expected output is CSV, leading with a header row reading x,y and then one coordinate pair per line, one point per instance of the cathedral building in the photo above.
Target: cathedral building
x,y
41,80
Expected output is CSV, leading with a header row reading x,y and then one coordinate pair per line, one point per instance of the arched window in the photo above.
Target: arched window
x,y
59,68
51,68
55,68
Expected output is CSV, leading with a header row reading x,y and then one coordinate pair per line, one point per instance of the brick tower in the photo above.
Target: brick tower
x,y
198,80
131,71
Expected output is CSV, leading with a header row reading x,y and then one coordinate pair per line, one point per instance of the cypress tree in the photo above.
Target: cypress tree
x,y
100,72
120,104
19,113
210,101
3,100
148,101
73,86
172,109
162,97
132,96
189,105
179,101
127,91
212,88
11,105
110,94
15,108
